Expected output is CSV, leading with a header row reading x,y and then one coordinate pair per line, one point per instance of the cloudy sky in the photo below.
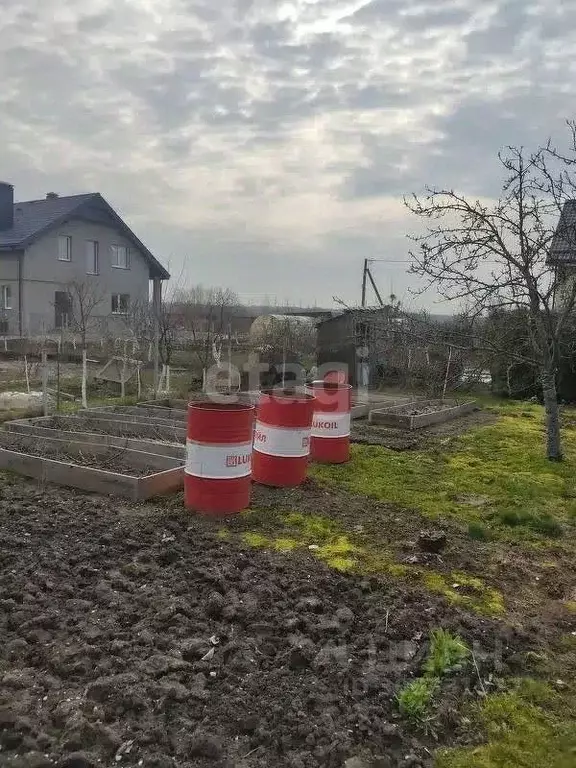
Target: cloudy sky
x,y
265,145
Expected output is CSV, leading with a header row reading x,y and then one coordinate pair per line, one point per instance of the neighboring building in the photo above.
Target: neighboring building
x,y
562,253
352,339
48,245
376,343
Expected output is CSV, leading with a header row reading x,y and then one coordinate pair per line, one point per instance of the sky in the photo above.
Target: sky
x,y
265,146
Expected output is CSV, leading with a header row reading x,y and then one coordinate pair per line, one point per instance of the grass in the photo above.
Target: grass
x,y
415,698
526,727
446,654
521,494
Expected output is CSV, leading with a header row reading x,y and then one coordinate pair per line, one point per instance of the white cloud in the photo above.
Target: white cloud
x,y
270,129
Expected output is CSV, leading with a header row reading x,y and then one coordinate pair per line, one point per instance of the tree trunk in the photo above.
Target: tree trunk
x,y
553,445
84,377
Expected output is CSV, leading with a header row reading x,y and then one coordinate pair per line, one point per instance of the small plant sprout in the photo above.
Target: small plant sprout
x,y
414,699
447,652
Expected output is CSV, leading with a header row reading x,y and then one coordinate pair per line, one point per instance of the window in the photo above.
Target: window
x,y
120,256
91,257
120,303
65,248
6,297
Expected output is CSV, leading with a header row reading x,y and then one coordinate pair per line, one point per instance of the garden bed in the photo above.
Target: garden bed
x,y
119,426
141,412
421,413
90,466
69,428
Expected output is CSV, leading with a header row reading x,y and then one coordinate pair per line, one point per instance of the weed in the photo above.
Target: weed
x,y
447,652
415,698
478,532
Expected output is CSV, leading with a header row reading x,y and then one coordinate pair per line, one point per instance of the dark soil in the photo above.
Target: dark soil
x,y
75,424
133,636
113,460
526,584
400,440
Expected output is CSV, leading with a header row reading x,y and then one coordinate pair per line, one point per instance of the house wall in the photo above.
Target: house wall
x,y
9,276
44,274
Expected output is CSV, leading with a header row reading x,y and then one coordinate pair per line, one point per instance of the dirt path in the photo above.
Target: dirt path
x,y
134,636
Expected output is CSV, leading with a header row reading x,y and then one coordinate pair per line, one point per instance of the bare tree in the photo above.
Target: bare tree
x,y
495,256
85,297
203,316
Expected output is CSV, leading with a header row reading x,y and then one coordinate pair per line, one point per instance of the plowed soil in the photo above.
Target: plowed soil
x,y
133,636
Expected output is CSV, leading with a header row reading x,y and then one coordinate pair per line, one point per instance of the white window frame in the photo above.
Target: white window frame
x,y
6,297
119,311
114,253
68,253
93,252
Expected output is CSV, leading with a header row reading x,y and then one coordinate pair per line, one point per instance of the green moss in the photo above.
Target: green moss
x,y
254,539
524,495
285,545
524,728
325,540
473,595
223,533
315,528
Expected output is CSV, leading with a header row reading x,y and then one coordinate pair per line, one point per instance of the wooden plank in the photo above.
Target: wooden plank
x,y
22,463
439,417
393,417
114,414
123,428
179,404
25,427
359,411
160,483
91,479
75,448
166,414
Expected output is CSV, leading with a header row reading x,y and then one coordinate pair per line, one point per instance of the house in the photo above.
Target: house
x,y
49,245
562,252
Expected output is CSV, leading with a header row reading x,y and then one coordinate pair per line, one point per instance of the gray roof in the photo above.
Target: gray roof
x,y
35,217
563,247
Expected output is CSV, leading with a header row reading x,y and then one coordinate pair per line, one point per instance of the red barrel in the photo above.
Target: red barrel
x,y
336,376
282,438
218,457
330,440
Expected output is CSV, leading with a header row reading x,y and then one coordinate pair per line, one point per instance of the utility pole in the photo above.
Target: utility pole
x,y
367,274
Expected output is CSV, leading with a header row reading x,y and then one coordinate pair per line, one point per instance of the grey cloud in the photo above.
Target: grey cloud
x,y
436,18
245,116
93,22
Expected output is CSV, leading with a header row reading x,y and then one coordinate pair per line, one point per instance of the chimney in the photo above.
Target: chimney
x,y
6,206
51,195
